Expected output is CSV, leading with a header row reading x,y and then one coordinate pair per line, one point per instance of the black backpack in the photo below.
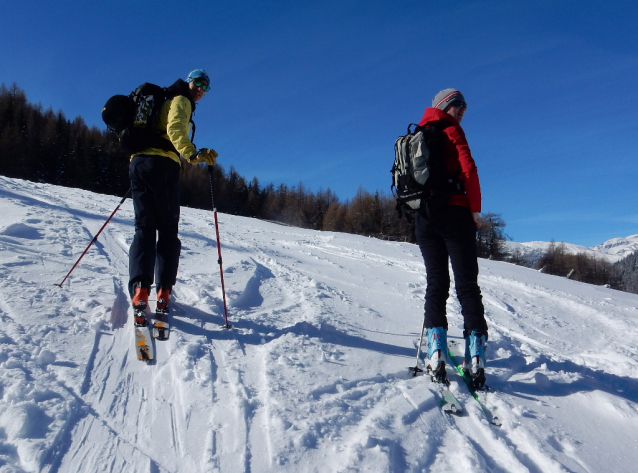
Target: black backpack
x,y
419,178
134,118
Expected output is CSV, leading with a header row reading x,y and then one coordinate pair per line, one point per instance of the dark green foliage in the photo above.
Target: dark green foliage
x,y
490,237
44,146
627,272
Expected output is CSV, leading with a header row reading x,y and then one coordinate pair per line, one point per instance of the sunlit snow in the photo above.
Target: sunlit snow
x,y
313,376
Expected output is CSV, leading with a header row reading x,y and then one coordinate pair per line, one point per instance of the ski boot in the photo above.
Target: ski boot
x,y
474,362
161,328
437,348
139,303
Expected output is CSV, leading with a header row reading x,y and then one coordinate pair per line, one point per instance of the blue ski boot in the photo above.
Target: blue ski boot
x,y
437,349
474,362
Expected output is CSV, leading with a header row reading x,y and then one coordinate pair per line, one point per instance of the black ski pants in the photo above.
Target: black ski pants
x,y
453,238
155,249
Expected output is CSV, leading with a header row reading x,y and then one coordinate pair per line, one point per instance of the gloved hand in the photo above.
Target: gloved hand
x,y
205,155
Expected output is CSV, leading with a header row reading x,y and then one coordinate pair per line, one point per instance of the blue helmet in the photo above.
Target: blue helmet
x,y
198,74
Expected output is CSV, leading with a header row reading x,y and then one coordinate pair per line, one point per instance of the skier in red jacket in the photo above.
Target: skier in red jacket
x,y
452,235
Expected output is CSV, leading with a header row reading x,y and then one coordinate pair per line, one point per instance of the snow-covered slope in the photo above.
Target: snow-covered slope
x,y
313,377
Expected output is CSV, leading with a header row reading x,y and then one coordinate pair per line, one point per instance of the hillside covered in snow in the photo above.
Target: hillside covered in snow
x,y
313,376
611,250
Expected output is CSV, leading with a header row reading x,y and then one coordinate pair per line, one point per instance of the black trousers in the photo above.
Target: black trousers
x,y
155,249
452,237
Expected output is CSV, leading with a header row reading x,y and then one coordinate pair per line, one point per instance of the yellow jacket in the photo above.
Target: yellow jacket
x,y
174,119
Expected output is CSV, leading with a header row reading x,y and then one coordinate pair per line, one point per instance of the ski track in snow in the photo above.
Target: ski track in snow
x,y
312,377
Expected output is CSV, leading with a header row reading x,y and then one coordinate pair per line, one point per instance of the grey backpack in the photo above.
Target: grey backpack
x,y
419,178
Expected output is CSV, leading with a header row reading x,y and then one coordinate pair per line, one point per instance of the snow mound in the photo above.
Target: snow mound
x,y
22,230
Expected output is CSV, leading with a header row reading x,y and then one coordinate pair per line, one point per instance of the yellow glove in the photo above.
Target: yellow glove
x,y
205,155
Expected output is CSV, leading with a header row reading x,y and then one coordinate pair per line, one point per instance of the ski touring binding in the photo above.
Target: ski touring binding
x,y
161,326
448,402
477,388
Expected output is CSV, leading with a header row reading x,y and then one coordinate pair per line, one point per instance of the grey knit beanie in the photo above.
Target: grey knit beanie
x,y
444,98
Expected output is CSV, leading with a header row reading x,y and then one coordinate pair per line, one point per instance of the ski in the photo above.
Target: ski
x,y
142,341
489,414
161,326
448,402
161,320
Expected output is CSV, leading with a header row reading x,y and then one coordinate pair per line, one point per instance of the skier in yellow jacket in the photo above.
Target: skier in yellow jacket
x,y
154,174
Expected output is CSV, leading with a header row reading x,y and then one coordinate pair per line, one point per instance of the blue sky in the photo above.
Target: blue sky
x,y
317,91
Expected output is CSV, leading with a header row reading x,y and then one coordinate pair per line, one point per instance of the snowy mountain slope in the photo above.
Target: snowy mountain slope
x,y
313,377
611,250
618,248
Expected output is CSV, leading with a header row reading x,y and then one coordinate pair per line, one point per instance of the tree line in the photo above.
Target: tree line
x,y
581,266
44,146
627,273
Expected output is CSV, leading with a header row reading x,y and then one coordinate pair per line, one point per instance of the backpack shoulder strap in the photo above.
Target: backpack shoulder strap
x,y
416,128
179,87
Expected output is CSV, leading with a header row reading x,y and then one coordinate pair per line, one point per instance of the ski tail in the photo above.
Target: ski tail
x,y
142,341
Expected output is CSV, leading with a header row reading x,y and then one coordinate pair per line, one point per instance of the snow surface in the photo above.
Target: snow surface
x,y
313,377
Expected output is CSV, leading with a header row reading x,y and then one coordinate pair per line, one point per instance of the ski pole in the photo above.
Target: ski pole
x,y
95,237
219,247
416,370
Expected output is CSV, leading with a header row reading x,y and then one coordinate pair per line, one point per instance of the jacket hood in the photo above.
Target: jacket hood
x,y
180,87
432,115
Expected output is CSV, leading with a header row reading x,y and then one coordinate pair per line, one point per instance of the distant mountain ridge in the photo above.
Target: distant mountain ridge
x,y
612,250
618,248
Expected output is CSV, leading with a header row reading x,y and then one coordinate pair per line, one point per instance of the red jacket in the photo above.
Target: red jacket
x,y
458,159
